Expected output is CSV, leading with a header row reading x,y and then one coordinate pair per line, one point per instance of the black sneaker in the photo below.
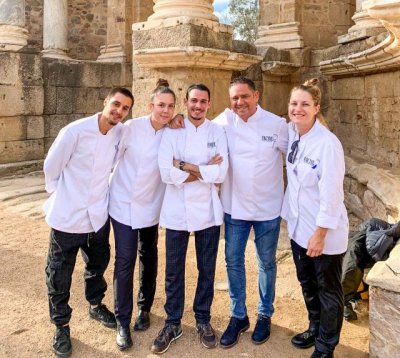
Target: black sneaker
x,y
349,313
318,354
62,342
235,328
142,322
262,330
102,314
166,336
207,336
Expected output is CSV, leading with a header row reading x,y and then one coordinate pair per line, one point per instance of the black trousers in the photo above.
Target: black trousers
x,y
319,278
128,243
63,249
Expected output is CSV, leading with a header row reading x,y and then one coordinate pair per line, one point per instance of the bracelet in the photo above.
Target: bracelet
x,y
181,164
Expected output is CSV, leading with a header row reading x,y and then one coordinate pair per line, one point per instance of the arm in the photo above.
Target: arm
x,y
57,158
316,242
194,169
169,173
283,137
177,122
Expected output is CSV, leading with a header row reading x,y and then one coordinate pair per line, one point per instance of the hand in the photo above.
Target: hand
x,y
177,122
316,242
216,159
175,163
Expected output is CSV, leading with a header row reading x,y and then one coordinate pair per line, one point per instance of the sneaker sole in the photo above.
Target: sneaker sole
x,y
234,343
62,355
105,324
210,347
172,340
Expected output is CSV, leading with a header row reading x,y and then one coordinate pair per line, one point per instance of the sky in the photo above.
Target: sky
x,y
220,9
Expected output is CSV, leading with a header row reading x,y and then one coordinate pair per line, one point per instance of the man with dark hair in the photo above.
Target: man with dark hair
x,y
192,161
77,169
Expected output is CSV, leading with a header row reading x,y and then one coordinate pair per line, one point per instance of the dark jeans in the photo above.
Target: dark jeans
x,y
63,249
206,243
323,294
127,243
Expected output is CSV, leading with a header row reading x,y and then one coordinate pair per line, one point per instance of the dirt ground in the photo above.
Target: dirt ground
x,y
25,329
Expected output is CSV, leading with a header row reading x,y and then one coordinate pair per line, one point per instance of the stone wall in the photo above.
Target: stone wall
x,y
74,90
34,22
87,28
21,110
365,112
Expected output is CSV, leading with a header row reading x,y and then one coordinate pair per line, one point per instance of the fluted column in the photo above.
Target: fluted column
x,y
55,29
365,26
13,35
166,9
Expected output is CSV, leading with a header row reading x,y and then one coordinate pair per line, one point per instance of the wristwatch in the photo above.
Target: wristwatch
x,y
181,164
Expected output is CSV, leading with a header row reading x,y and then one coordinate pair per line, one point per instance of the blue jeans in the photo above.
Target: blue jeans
x,y
176,243
266,240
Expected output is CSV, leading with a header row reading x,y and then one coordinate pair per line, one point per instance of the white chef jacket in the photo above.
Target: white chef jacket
x,y
314,195
136,190
253,189
194,205
77,170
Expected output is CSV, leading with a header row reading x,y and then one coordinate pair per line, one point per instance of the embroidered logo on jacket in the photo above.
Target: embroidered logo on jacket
x,y
211,145
313,163
269,138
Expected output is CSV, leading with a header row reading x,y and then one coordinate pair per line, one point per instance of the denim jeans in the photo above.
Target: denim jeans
x,y
320,282
176,242
127,242
266,240
63,249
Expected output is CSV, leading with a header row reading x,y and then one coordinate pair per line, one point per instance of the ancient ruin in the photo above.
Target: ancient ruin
x,y
58,58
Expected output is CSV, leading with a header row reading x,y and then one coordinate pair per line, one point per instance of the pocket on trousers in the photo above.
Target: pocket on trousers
x,y
58,277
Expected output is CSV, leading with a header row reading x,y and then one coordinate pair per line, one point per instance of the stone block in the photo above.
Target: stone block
x,y
88,100
31,69
50,99
349,88
270,14
381,85
181,36
18,151
62,73
9,74
12,128
33,99
11,101
384,318
34,127
53,124
374,206
66,100
344,111
340,13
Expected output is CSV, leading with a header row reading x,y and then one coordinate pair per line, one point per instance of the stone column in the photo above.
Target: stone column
x,y
365,26
13,35
200,9
119,32
184,43
55,31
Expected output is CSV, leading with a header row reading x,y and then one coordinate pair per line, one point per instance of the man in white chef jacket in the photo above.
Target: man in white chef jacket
x,y
77,170
252,196
192,161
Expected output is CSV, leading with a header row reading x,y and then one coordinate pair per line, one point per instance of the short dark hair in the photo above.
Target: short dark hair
x,y
243,80
200,87
123,91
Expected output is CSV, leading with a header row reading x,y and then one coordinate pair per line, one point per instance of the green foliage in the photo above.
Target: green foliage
x,y
243,16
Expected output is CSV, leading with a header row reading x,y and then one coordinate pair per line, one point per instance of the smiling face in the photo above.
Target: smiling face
x,y
197,105
302,110
162,108
243,100
116,108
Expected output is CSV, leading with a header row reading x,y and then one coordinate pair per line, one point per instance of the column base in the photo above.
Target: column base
x,y
55,53
112,53
12,38
281,36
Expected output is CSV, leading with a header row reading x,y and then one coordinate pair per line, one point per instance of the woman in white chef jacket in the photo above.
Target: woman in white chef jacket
x,y
136,195
316,217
